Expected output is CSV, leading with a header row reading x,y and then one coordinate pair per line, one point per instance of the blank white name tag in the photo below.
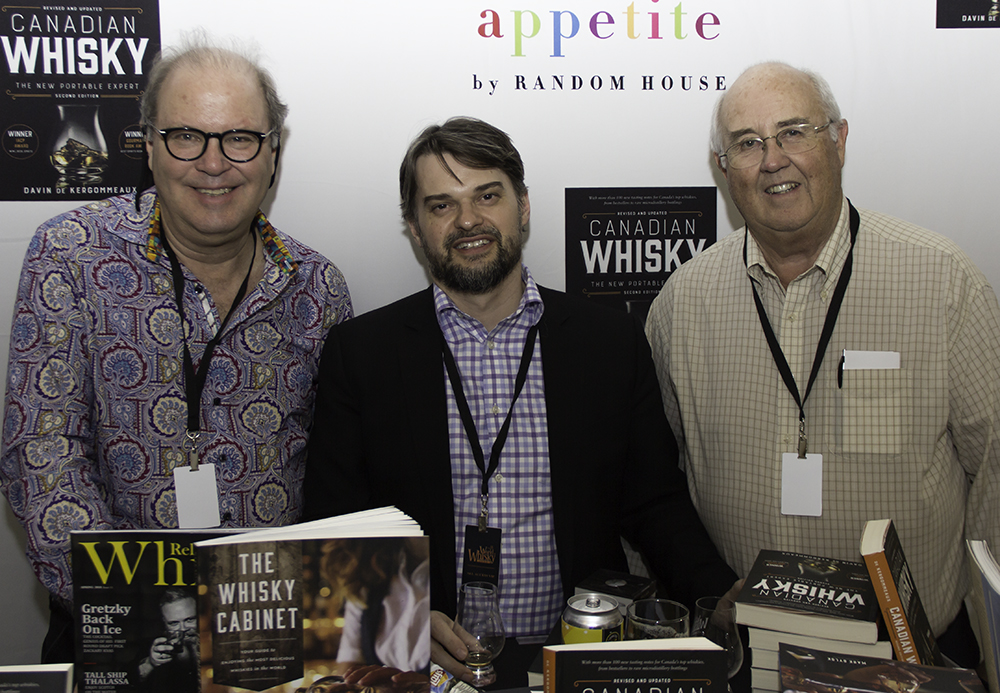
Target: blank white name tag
x,y
197,497
870,360
801,484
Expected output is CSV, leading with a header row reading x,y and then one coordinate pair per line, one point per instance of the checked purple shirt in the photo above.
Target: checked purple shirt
x,y
520,501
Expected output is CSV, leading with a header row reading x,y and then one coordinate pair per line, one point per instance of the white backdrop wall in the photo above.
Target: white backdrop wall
x,y
363,78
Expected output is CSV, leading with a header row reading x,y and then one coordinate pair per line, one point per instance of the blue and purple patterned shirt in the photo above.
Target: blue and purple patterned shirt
x,y
95,409
520,500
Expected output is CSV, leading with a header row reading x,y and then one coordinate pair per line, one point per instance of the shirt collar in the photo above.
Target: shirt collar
x,y
273,245
530,306
831,258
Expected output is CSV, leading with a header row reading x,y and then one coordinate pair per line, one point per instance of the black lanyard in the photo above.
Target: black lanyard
x,y
194,382
470,424
824,339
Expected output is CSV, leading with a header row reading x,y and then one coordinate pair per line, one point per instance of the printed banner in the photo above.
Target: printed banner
x,y
623,243
72,77
971,14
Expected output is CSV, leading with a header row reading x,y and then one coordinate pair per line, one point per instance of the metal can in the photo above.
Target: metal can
x,y
591,617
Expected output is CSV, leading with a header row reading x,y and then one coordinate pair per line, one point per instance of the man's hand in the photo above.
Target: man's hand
x,y
160,652
723,617
729,598
387,679
450,645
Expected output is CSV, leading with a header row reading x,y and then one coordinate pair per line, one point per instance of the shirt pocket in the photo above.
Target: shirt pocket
x,y
875,411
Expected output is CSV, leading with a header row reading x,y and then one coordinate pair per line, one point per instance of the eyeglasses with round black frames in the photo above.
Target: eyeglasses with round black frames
x,y
794,139
188,144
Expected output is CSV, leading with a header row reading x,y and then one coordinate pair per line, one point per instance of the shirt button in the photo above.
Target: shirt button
x,y
823,294
495,409
490,345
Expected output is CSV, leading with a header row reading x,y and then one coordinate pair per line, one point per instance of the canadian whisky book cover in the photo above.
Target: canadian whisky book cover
x,y
905,618
135,609
815,671
671,665
70,87
304,606
623,243
810,595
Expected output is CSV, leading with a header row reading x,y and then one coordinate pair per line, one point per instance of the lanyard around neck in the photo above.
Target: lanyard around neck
x,y
824,339
470,425
194,381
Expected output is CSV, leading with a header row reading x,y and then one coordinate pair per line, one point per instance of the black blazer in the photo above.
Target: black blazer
x,y
379,437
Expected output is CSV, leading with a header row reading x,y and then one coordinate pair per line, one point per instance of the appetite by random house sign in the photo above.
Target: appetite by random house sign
x,y
73,74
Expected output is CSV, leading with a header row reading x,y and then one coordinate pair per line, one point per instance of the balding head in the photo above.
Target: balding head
x,y
771,76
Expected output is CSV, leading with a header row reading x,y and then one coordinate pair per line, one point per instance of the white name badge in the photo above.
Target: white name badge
x,y
801,484
197,497
870,360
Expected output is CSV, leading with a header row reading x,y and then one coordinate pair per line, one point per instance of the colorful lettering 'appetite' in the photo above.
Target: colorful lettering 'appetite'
x,y
566,25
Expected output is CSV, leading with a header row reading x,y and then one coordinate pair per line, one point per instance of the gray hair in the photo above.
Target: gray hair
x,y
198,52
827,102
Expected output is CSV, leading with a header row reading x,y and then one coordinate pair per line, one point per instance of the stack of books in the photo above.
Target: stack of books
x,y
809,601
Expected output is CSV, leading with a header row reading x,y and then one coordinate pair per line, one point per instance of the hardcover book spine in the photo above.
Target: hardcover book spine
x,y
548,671
921,646
892,608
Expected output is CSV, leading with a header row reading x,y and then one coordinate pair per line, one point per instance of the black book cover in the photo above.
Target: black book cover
x,y
816,671
786,591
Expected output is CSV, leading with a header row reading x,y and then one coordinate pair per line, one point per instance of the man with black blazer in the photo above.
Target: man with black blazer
x,y
506,418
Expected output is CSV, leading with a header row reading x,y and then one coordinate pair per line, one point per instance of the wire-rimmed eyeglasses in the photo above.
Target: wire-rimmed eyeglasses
x,y
188,144
795,139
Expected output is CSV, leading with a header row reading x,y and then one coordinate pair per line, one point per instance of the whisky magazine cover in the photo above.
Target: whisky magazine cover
x,y
289,613
623,243
135,609
73,73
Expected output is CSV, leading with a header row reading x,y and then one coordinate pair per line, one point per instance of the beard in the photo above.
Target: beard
x,y
483,276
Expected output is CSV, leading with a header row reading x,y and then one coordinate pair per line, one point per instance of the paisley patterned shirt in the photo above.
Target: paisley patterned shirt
x,y
95,410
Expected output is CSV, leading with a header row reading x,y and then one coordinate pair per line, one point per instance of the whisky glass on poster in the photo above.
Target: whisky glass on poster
x,y
479,615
